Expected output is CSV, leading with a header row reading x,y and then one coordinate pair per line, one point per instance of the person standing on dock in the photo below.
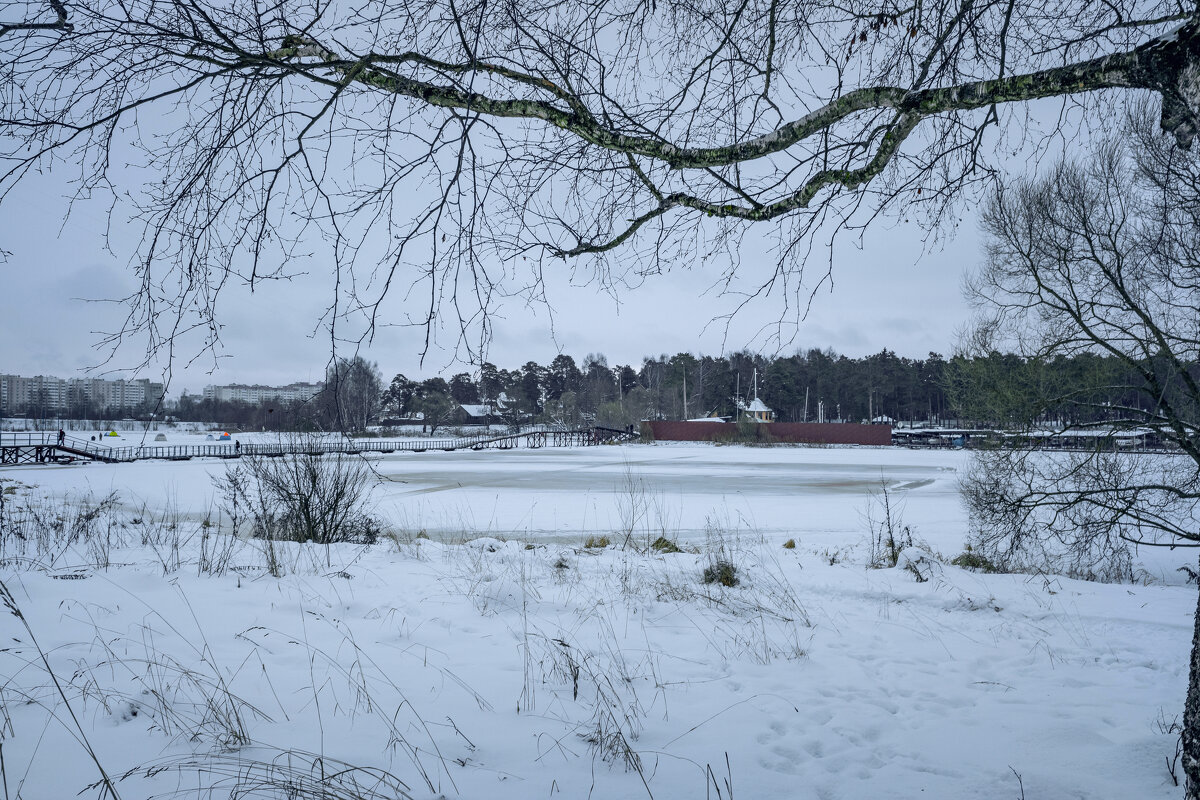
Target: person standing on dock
x,y
237,447
62,437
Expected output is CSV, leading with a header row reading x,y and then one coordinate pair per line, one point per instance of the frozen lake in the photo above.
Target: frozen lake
x,y
685,488
563,494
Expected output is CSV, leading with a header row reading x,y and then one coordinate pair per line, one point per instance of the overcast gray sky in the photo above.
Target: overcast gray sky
x,y
886,294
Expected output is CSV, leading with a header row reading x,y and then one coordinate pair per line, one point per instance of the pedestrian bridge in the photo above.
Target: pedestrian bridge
x,y
44,448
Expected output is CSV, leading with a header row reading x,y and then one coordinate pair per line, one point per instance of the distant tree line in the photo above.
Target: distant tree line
x,y
267,415
798,388
996,389
349,401
1080,389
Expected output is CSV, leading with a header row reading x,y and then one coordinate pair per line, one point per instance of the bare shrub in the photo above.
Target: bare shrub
x,y
304,497
633,503
1067,513
233,494
885,524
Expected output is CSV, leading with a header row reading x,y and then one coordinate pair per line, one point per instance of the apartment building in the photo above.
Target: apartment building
x,y
293,392
115,394
45,394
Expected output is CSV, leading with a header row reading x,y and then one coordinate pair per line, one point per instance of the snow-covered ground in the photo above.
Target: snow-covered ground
x,y
500,658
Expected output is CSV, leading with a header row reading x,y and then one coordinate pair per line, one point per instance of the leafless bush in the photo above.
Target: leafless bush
x,y
888,534
304,497
234,490
1075,514
633,503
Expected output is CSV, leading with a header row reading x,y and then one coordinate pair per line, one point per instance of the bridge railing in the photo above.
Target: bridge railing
x,y
315,446
26,439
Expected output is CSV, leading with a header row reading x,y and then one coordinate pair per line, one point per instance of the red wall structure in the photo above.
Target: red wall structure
x,y
789,432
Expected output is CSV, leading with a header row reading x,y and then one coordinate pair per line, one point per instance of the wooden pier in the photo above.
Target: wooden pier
x,y
44,448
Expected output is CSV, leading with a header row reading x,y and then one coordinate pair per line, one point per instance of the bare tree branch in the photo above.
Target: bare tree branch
x,y
60,24
455,148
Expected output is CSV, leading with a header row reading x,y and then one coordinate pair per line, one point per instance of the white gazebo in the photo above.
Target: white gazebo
x,y
758,411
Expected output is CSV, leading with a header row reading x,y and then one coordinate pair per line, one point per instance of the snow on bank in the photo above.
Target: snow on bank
x,y
500,669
